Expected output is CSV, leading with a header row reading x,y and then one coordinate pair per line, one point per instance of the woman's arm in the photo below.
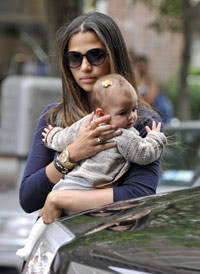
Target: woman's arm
x,y
35,184
139,181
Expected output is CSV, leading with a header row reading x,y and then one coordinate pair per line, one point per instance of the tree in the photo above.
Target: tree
x,y
179,16
58,13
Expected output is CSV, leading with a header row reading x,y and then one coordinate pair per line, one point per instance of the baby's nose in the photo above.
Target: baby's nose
x,y
131,116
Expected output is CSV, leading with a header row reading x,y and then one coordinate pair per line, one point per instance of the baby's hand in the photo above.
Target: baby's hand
x,y
45,133
154,127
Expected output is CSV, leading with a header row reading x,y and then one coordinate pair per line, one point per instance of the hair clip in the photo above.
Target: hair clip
x,y
106,83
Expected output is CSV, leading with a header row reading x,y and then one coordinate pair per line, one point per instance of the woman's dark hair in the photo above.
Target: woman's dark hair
x,y
75,104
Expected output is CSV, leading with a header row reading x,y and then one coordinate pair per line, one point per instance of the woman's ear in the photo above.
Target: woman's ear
x,y
99,112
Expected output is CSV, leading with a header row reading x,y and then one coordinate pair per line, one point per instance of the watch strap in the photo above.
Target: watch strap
x,y
60,167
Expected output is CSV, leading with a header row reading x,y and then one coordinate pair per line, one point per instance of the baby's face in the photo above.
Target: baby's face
x,y
123,110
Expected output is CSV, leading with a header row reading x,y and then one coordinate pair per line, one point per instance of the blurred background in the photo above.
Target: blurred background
x,y
167,32
163,39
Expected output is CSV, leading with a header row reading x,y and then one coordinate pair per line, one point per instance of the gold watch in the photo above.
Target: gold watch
x,y
64,156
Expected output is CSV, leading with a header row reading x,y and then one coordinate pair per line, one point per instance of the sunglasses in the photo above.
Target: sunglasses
x,y
95,57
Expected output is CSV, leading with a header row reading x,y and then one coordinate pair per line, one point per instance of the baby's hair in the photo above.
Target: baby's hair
x,y
106,87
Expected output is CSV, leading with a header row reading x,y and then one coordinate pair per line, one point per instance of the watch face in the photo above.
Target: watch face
x,y
64,156
65,159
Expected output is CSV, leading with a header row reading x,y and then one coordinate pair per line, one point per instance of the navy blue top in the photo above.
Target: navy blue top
x,y
138,181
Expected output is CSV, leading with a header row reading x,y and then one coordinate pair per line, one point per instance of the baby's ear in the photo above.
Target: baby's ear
x,y
99,112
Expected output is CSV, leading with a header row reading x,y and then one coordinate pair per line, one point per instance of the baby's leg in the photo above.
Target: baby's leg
x,y
34,235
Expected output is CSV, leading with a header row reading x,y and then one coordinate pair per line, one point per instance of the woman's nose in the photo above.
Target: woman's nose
x,y
85,64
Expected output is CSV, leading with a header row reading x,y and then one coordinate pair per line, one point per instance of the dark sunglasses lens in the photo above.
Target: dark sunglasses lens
x,y
74,59
96,56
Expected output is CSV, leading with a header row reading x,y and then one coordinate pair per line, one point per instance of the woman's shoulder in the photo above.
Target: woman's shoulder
x,y
47,108
42,118
145,118
147,114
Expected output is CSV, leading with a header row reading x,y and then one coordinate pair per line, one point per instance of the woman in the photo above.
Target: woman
x,y
91,46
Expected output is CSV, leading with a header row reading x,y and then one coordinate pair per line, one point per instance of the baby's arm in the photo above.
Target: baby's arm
x,y
58,138
55,138
140,150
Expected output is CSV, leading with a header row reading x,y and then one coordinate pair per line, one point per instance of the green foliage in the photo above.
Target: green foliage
x,y
193,91
169,7
194,71
194,95
91,3
172,89
169,14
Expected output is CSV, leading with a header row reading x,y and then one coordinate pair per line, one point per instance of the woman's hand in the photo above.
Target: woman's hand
x,y
91,138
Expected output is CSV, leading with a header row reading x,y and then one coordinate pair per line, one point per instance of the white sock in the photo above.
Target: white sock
x,y
34,235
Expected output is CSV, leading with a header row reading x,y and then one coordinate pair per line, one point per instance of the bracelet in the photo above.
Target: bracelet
x,y
59,167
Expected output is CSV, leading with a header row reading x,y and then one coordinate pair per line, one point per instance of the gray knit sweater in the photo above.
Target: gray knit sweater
x,y
108,165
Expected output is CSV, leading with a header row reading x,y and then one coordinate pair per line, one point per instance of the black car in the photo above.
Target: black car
x,y
154,234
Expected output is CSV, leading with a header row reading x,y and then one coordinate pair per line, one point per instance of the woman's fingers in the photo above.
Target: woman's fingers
x,y
106,136
100,120
92,138
104,129
104,146
93,129
88,121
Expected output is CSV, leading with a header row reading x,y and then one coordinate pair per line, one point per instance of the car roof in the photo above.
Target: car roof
x,y
158,233
176,125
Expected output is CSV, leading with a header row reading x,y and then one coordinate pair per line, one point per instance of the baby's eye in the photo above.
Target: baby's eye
x,y
134,109
122,113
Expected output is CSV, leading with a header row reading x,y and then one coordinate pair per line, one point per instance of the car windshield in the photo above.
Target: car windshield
x,y
180,161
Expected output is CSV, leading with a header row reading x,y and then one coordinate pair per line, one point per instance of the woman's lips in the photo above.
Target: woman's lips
x,y
88,80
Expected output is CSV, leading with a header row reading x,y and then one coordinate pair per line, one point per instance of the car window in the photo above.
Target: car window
x,y
180,160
